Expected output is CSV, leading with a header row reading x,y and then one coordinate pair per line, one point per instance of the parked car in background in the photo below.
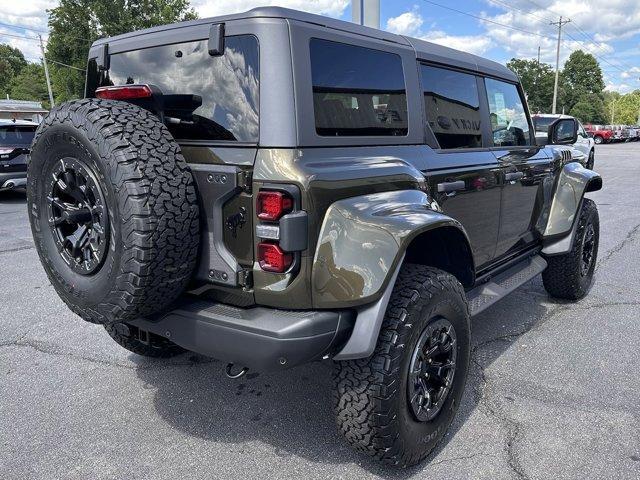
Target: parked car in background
x,y
585,143
634,133
600,133
15,143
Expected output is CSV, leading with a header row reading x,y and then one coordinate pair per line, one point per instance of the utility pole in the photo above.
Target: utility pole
x,y
559,23
613,110
46,72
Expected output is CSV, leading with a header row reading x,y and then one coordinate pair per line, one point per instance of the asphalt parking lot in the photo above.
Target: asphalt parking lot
x,y
553,390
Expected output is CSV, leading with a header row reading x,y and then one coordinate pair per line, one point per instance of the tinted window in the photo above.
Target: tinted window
x,y
542,123
205,97
508,118
16,135
453,107
357,91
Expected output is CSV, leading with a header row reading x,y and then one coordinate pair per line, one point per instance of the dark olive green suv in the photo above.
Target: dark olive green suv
x,y
274,188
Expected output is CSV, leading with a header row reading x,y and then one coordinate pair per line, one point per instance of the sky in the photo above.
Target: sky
x,y
609,29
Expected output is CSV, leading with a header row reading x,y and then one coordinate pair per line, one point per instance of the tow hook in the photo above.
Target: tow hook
x,y
230,374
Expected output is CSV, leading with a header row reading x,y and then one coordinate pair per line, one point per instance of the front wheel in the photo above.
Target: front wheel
x,y
570,275
397,404
591,160
598,140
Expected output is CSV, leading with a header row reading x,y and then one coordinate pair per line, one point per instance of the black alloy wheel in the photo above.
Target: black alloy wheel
x,y
432,369
588,246
78,216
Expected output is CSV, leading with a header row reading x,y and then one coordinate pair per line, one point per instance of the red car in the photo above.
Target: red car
x,y
600,133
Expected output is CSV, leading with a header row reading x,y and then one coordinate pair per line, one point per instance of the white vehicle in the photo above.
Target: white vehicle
x,y
585,143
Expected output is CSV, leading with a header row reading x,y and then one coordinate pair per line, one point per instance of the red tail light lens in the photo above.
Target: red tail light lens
x,y
272,259
124,92
272,205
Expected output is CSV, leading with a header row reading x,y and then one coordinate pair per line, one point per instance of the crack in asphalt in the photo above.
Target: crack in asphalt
x,y
629,238
465,457
483,393
18,249
48,349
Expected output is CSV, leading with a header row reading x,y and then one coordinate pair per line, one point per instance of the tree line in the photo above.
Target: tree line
x,y
581,91
75,24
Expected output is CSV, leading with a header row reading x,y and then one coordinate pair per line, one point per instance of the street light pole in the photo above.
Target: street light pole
x,y
559,23
46,72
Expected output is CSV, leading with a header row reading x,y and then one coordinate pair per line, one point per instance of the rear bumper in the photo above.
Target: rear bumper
x,y
259,338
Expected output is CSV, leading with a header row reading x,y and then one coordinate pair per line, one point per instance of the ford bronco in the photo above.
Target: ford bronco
x,y
274,188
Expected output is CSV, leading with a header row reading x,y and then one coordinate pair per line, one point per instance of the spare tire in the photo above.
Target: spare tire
x,y
113,210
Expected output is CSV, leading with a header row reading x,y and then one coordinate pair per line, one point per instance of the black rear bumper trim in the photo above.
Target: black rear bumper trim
x,y
260,338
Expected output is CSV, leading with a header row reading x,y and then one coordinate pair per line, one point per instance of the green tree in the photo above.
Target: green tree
x,y
624,109
582,81
30,84
11,63
537,81
589,109
75,24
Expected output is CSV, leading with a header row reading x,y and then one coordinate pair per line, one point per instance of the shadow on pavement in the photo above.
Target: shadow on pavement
x,y
10,197
292,410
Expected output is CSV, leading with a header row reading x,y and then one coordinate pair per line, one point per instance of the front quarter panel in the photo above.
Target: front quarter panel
x,y
573,182
361,241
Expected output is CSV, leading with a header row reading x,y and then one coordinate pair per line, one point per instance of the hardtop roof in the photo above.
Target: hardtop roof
x,y
424,50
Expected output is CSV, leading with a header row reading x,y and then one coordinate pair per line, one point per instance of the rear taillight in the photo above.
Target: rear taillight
x,y
272,259
271,205
124,92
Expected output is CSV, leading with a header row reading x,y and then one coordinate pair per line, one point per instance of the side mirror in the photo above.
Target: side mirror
x,y
563,131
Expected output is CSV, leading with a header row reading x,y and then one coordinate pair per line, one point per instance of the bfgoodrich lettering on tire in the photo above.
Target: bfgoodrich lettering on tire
x,y
113,210
397,404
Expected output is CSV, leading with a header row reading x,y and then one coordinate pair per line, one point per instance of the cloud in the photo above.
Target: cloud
x,y
410,24
211,8
476,44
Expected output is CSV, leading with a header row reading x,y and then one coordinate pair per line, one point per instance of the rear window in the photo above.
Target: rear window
x,y
206,98
357,91
16,135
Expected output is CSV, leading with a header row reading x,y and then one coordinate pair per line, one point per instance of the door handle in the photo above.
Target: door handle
x,y
447,187
514,176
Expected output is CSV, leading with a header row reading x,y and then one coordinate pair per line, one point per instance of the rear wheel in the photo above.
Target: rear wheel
x,y
397,404
570,275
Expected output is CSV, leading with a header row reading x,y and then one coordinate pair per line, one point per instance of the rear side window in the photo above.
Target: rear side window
x,y
509,122
453,107
205,97
357,91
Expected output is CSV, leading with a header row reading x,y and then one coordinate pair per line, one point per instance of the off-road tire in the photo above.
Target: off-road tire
x,y
598,140
563,277
370,400
150,196
154,345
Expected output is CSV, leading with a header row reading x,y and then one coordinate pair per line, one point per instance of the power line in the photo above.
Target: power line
x,y
487,20
2,34
87,40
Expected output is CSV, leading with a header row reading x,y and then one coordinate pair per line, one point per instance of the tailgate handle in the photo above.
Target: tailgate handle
x,y
447,187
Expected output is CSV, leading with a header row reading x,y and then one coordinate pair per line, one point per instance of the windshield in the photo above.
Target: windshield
x,y
16,134
542,123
